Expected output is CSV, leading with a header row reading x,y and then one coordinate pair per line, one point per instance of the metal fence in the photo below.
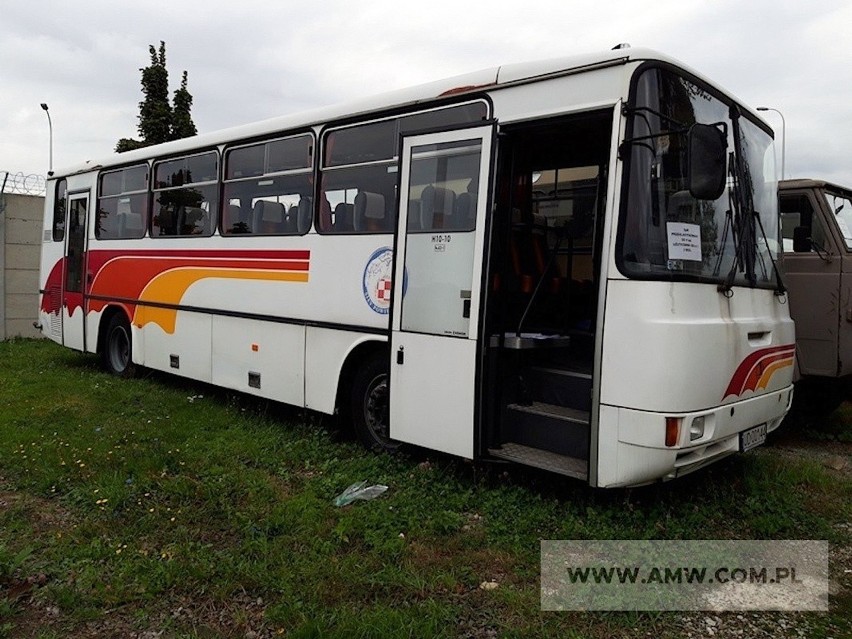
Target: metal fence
x,y
21,183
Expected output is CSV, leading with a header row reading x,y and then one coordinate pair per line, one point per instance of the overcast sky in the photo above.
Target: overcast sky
x,y
255,59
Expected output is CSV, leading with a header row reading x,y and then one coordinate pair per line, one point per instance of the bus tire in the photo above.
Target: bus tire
x,y
369,404
117,354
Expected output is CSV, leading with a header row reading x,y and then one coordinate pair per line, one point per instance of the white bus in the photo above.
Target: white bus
x,y
568,264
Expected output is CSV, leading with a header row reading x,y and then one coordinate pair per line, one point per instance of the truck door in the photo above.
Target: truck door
x,y
839,214
813,279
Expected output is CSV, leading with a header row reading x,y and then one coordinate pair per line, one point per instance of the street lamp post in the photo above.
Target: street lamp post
x,y
50,126
783,134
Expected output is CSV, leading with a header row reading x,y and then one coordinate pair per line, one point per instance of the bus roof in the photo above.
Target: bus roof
x,y
469,83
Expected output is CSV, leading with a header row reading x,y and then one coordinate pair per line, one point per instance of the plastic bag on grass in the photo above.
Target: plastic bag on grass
x,y
359,490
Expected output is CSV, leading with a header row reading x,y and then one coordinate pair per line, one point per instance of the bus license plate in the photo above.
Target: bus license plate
x,y
752,437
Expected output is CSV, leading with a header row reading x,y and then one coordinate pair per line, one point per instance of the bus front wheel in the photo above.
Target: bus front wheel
x,y
118,348
370,405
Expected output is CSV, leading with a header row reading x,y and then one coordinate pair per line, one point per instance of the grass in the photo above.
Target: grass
x,y
162,505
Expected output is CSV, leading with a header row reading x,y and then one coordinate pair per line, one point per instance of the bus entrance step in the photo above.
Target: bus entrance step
x,y
554,462
561,413
559,386
579,369
558,429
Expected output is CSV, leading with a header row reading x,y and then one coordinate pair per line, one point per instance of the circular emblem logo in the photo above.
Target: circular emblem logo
x,y
376,284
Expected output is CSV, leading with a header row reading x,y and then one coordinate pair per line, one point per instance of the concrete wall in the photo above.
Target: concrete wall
x,y
20,249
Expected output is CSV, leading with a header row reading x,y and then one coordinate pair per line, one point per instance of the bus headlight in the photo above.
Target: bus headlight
x,y
696,429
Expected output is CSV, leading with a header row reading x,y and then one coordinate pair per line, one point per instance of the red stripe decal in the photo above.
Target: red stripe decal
x,y
751,368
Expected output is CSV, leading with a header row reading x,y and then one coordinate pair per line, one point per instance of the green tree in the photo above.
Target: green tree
x,y
128,144
182,124
159,121
155,112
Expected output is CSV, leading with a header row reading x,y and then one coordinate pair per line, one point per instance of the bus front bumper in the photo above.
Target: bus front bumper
x,y
632,443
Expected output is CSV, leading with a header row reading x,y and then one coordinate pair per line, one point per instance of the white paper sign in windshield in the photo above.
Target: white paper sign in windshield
x,y
684,241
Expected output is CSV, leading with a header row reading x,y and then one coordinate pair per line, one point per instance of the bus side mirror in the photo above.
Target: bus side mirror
x,y
802,242
706,168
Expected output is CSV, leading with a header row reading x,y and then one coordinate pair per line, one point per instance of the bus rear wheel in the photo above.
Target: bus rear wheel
x,y
370,405
118,348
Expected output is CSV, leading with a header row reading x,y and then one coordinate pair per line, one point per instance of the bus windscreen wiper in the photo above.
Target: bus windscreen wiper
x,y
730,227
743,220
735,221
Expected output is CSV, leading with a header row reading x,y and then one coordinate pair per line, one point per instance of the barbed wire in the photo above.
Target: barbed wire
x,y
22,183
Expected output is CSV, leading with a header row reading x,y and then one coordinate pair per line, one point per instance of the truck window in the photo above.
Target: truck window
x,y
797,210
841,206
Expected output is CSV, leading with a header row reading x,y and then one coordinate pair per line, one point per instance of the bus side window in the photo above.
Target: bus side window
x,y
122,207
267,187
359,178
362,158
374,212
185,194
59,203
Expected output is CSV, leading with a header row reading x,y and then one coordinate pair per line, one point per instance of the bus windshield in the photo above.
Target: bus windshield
x,y
666,233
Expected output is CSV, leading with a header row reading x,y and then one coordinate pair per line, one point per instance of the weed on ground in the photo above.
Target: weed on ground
x,y
159,507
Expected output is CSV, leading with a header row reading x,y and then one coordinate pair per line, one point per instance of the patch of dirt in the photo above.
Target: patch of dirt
x,y
793,443
241,617
45,515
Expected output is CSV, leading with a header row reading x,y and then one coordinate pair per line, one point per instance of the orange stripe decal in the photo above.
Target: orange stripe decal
x,y
170,287
163,276
763,382
758,367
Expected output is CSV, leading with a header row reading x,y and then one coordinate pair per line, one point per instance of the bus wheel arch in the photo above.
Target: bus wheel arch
x,y
363,397
115,342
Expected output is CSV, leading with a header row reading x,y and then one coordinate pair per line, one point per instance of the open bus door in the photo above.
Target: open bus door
x,y
437,289
74,277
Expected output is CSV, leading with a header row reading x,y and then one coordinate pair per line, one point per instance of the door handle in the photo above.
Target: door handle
x,y
465,296
400,355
